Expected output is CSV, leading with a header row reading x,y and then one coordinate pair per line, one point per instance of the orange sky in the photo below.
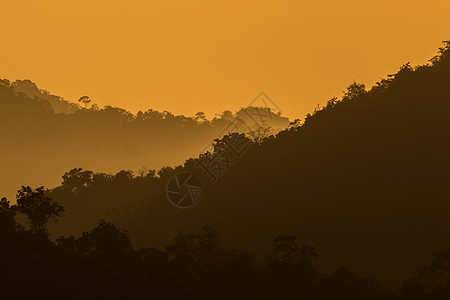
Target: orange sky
x,y
189,56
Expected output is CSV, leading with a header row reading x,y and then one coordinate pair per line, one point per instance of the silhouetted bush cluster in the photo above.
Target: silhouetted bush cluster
x,y
102,264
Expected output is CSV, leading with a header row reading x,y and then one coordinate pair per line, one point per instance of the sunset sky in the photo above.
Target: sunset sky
x,y
190,56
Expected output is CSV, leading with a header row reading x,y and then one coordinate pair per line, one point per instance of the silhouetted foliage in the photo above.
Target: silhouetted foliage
x,y
363,179
360,178
85,101
64,135
7,215
38,207
102,264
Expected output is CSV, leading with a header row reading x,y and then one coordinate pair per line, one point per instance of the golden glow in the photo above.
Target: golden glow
x,y
189,56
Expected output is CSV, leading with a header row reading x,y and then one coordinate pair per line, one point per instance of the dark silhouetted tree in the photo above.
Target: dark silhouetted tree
x,y
7,214
85,101
76,179
106,240
38,207
354,90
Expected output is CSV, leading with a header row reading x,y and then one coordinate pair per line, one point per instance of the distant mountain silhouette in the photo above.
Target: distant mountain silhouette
x,y
56,103
43,136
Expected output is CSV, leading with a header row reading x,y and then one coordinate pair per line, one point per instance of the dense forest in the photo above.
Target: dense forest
x,y
349,203
47,135
103,264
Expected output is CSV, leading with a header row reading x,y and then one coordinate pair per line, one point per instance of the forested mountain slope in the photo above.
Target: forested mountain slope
x,y
43,135
364,179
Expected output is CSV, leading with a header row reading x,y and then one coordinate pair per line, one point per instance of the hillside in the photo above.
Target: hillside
x,y
43,135
364,179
